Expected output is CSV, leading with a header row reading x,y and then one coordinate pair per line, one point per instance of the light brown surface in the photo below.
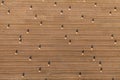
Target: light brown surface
x,y
66,59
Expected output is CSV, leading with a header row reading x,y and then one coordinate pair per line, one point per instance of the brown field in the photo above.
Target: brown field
x,y
59,39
